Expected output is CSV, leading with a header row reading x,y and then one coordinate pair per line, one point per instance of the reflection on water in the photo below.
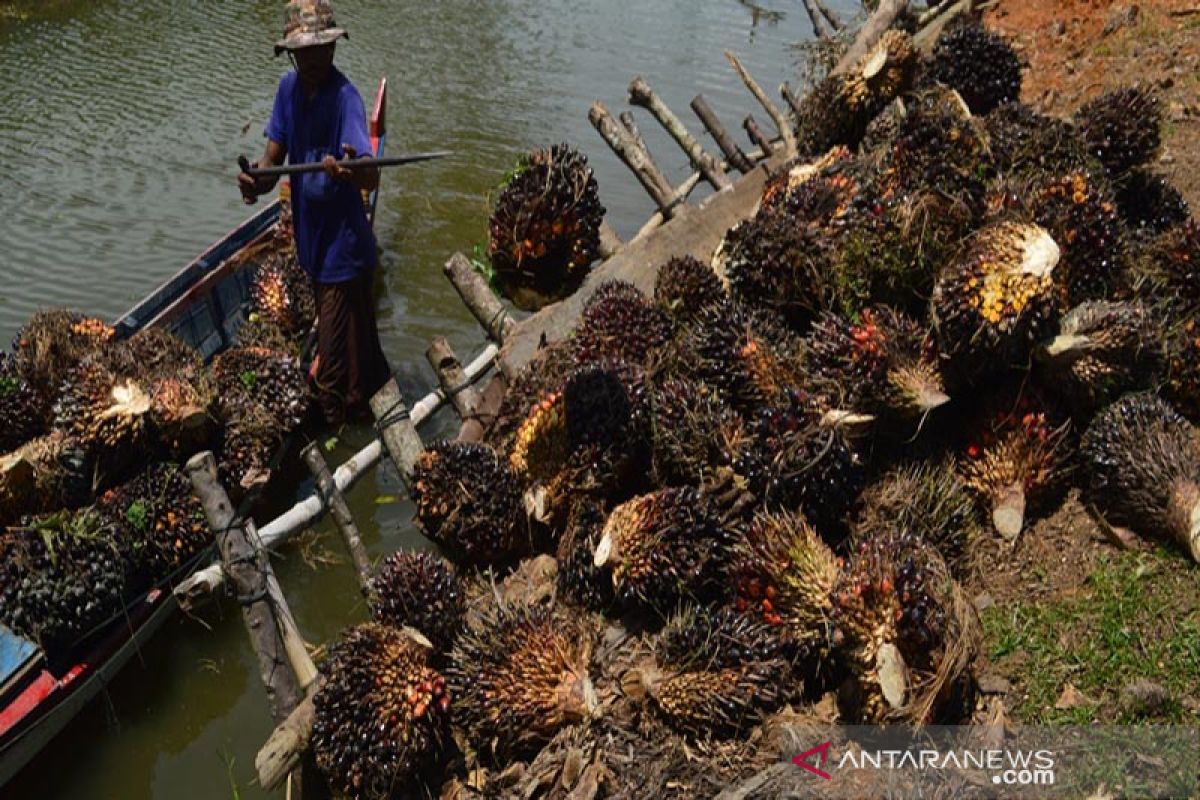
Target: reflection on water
x,y
120,123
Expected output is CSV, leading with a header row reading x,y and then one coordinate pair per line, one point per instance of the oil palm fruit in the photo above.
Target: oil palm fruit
x,y
1014,458
258,332
520,676
927,500
53,343
1103,350
49,472
783,574
1149,204
544,374
881,363
903,629
665,546
468,501
153,353
282,294
684,286
1000,298
422,591
1023,142
1122,128
694,431
1182,387
544,231
381,715
620,323
108,414
23,413
249,378
978,64
249,444
1143,469
579,579
841,106
1171,267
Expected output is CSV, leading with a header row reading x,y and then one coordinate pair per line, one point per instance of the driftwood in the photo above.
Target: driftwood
x,y
636,158
871,32
478,297
396,427
457,389
781,122
737,159
640,94
332,497
757,136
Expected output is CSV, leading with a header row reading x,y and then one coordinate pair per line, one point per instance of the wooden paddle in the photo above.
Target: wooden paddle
x,y
348,163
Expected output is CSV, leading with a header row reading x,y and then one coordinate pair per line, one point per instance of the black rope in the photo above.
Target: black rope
x,y
491,326
395,413
251,599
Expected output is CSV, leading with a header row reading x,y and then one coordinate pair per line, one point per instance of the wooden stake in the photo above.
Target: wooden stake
x,y
458,390
789,96
756,135
399,435
286,745
785,129
737,159
636,158
871,32
478,297
631,126
820,25
640,94
332,497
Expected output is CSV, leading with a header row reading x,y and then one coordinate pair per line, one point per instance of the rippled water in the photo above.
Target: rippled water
x,y
120,123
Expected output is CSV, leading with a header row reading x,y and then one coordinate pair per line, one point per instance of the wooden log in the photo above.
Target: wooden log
x,y
636,158
834,21
631,126
478,297
456,387
395,425
286,746
781,122
871,32
249,570
789,97
712,123
640,94
756,135
332,497
820,25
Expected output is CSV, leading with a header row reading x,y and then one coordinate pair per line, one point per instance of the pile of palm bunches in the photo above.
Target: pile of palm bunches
x,y
544,230
283,306
763,481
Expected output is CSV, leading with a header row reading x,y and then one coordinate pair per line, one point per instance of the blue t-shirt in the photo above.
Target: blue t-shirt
x,y
334,241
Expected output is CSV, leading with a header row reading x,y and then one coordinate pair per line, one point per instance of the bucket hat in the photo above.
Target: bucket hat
x,y
308,23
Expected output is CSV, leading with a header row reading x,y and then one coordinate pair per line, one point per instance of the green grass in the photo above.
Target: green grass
x,y
1137,616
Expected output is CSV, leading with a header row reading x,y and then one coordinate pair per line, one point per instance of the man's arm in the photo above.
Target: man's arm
x,y
251,188
365,179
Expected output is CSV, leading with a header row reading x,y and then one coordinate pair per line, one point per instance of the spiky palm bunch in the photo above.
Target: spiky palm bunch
x,y
23,412
579,579
381,714
620,323
694,430
1143,467
1182,386
282,294
49,472
249,445
108,414
468,501
978,64
420,590
544,374
1122,128
1149,204
154,353
520,676
684,286
664,546
544,231
1022,141
250,378
1170,269
55,341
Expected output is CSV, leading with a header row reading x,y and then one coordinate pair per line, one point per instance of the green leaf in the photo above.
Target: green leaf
x,y
249,378
331,443
386,500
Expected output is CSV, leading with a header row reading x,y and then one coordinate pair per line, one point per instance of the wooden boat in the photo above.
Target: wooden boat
x,y
204,304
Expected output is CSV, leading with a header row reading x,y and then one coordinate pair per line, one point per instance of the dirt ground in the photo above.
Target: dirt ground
x,y
1078,49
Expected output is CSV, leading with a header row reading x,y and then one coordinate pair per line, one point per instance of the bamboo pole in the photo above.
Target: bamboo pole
x,y
395,425
332,497
479,298
871,32
757,136
785,128
640,94
636,158
737,159
455,386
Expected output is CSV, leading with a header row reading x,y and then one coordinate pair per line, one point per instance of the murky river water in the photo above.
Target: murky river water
x,y
120,121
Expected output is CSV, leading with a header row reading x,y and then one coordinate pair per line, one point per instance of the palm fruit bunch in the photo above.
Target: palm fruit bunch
x,y
153,353
249,444
49,472
65,576
841,106
381,715
620,323
544,231
544,374
579,579
468,501
798,460
1122,128
1103,349
420,590
903,628
881,363
717,672
161,523
109,414
784,185
978,64
783,574
694,431
929,501
665,546
684,286
1171,270
520,675
1149,204
1000,298
1142,460
53,343
1015,457
250,378
23,415
1022,141
1182,387
257,332
282,296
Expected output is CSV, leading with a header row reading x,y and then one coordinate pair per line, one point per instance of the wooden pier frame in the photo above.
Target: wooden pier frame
x,y
478,297
641,95
335,501
757,136
456,388
789,97
636,158
712,123
781,122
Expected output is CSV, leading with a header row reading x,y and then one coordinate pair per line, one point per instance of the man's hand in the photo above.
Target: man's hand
x,y
333,167
249,187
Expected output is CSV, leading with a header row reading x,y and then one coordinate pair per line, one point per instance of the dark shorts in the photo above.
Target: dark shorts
x,y
351,366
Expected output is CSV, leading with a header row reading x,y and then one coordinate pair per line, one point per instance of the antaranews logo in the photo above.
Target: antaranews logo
x,y
1007,767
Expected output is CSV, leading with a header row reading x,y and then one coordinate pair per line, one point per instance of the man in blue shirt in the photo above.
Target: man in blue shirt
x,y
319,116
